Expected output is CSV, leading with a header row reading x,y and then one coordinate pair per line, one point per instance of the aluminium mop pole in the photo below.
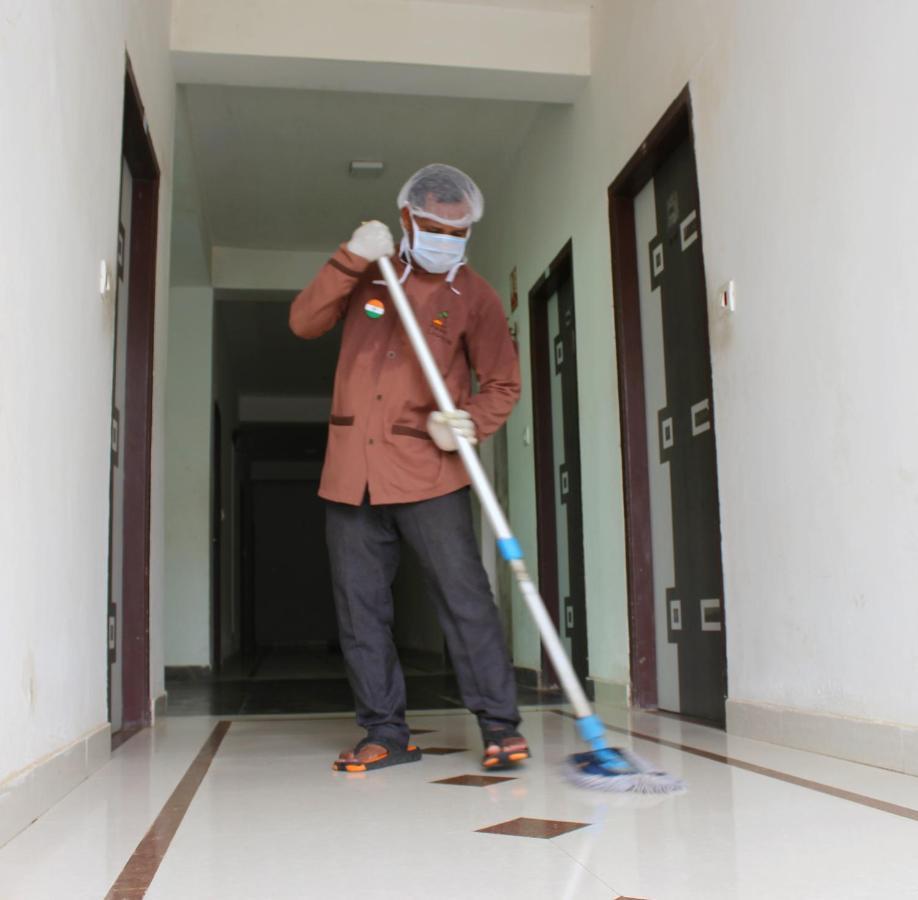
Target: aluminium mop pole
x,y
588,724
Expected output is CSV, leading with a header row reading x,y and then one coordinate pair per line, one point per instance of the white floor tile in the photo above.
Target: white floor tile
x,y
272,820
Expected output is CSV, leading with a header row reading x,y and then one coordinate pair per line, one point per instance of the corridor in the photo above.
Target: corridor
x,y
659,250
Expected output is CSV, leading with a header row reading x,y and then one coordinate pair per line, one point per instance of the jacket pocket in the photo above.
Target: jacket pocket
x,y
341,420
408,431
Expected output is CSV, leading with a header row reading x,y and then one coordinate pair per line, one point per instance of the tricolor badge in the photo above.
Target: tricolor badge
x,y
374,309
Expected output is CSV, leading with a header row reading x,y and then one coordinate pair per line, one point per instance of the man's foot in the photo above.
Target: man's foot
x,y
375,753
504,748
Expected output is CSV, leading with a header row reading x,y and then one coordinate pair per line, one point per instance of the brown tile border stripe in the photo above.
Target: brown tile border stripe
x,y
905,812
138,873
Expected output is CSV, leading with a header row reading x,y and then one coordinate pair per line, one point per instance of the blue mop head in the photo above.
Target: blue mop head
x,y
607,769
618,770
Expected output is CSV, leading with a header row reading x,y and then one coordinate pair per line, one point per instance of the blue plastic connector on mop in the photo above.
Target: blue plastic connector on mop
x,y
591,729
510,548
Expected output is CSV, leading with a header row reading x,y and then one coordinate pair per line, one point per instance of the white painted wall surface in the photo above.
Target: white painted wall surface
x,y
61,94
189,411
399,31
805,146
241,268
384,46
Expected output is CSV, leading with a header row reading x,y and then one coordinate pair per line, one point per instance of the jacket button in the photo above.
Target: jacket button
x,y
370,441
391,354
379,396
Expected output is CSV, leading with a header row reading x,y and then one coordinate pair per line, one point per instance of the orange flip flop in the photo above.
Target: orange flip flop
x,y
394,755
508,756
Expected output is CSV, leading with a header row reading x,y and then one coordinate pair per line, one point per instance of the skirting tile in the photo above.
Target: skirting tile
x,y
910,750
609,695
29,794
160,705
882,744
763,723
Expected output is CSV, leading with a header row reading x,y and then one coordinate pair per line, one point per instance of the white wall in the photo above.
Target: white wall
x,y
805,143
189,403
189,411
61,94
384,46
241,268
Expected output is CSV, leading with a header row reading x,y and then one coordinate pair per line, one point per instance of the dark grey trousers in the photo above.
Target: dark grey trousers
x,y
364,548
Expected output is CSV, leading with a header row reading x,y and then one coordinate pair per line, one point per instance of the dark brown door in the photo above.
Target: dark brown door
x,y
557,452
128,618
672,507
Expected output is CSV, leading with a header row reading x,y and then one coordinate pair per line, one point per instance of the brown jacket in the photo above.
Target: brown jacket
x,y
377,436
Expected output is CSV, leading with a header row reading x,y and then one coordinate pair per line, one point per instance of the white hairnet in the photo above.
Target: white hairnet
x,y
444,194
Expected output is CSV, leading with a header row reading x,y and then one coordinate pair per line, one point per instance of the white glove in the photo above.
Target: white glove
x,y
443,428
372,240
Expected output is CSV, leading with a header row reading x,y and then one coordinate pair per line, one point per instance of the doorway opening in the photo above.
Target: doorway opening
x,y
669,462
131,428
559,500
274,636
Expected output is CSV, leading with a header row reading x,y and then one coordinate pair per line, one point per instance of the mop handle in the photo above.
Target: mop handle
x,y
507,544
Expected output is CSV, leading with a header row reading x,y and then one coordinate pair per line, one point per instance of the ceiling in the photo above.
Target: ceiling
x,y
265,356
272,164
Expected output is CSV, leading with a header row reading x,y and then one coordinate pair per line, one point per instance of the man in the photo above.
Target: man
x,y
391,473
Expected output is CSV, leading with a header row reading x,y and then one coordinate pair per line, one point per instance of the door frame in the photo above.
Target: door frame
x,y
216,538
140,155
560,268
674,127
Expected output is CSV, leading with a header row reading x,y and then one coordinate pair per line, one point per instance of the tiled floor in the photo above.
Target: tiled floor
x,y
271,820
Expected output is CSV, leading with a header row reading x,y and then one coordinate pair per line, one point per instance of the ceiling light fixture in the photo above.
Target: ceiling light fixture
x,y
366,168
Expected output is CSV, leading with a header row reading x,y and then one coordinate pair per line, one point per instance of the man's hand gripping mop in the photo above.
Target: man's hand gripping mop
x,y
602,767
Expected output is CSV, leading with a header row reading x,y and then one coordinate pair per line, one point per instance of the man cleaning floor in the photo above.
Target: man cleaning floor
x,y
391,473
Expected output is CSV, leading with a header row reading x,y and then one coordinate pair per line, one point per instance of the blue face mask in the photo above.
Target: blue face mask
x,y
437,253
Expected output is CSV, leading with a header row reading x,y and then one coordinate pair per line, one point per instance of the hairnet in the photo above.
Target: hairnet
x,y
432,190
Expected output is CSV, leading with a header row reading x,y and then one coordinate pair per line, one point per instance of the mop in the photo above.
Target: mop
x,y
602,767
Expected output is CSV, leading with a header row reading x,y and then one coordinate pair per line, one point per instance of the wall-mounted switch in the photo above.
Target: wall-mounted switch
x,y
105,279
727,296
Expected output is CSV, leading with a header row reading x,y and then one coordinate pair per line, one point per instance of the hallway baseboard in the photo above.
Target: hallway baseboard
x,y
883,744
30,793
609,695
